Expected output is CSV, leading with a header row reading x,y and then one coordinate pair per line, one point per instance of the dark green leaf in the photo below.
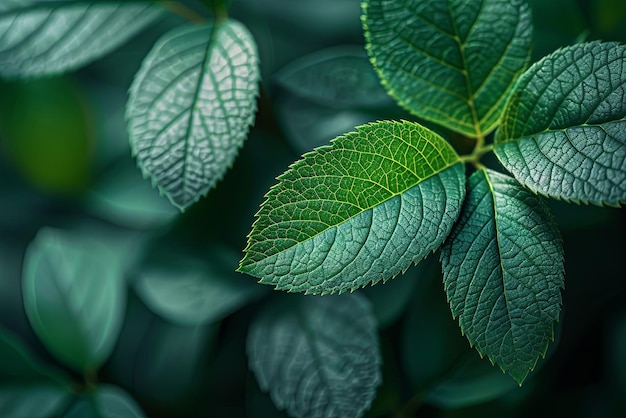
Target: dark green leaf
x,y
106,401
449,62
191,105
563,132
33,401
358,211
503,271
317,356
39,37
74,297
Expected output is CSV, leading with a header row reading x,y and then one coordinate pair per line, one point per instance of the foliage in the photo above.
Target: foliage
x,y
458,130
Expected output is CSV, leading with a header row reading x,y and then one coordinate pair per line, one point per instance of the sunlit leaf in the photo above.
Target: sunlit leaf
x,y
449,62
317,356
39,37
563,133
191,105
74,297
503,272
358,211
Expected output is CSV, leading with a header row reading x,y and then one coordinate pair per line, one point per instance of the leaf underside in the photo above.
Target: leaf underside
x,y
449,62
358,211
564,129
191,105
503,271
43,37
317,356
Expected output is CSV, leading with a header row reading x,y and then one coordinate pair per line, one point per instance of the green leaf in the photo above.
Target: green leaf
x,y
33,401
74,297
563,133
358,211
191,105
503,271
188,292
317,356
107,401
40,37
449,62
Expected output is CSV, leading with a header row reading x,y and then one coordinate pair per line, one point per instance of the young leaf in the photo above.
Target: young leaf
x,y
564,129
449,62
358,211
503,271
191,105
39,37
74,297
317,356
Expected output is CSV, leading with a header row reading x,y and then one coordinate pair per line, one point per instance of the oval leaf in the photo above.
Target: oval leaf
x,y
449,62
191,105
44,37
317,356
74,297
503,271
564,129
358,211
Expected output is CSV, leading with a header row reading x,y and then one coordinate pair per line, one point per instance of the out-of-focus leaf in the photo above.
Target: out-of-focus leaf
x,y
41,37
317,356
106,401
188,291
33,401
74,297
191,105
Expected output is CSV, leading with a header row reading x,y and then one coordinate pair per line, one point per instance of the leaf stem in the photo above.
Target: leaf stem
x,y
184,11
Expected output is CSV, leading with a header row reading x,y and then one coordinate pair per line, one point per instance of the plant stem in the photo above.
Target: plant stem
x,y
183,11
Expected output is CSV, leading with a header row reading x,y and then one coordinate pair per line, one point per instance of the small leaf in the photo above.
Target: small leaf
x,y
358,211
317,356
191,105
563,133
74,297
449,62
188,292
40,37
503,271
33,401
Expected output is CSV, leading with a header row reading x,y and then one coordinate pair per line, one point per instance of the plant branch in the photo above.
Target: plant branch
x,y
184,11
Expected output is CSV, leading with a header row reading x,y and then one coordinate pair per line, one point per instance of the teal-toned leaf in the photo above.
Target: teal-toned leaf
x,y
191,105
358,211
106,401
563,133
33,401
317,356
40,37
74,297
503,272
186,291
449,62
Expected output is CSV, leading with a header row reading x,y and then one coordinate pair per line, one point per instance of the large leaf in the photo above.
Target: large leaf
x,y
39,37
317,356
564,129
450,62
74,297
191,105
358,211
503,271
33,401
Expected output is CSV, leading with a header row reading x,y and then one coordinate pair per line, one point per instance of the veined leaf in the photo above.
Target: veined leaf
x,y
39,37
450,62
317,356
74,297
503,271
358,211
191,105
564,129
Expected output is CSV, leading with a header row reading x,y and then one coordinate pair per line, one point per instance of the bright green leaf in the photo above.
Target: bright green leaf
x,y
358,211
33,401
317,356
503,272
563,132
74,297
449,62
40,37
188,292
191,105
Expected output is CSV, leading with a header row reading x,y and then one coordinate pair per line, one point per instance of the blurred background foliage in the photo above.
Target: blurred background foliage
x,y
65,163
